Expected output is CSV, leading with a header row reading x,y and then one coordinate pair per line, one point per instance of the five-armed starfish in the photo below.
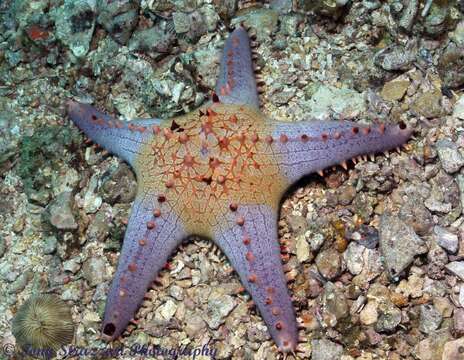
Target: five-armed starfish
x,y
220,172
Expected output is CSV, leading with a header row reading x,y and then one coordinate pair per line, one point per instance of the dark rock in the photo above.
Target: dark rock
x,y
399,244
59,212
119,18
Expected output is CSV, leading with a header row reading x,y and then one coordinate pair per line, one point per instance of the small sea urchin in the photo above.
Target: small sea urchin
x,y
43,324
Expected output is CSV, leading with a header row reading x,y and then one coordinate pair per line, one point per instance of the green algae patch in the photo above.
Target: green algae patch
x,y
43,153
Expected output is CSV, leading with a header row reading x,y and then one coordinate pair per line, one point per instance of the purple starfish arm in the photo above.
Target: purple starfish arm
x,y
152,235
308,146
120,138
249,240
236,83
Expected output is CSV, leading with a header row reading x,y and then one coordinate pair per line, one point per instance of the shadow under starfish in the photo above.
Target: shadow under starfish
x,y
220,172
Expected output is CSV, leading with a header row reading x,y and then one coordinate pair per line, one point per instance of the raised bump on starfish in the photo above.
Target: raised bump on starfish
x,y
145,252
220,172
236,82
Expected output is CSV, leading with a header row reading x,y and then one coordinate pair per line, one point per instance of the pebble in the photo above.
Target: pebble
x,y
49,245
450,157
453,350
75,24
459,108
430,319
395,57
316,241
431,348
59,212
412,287
414,213
436,22
460,182
94,270
329,100
328,263
92,201
446,239
2,246
219,306
154,39
101,225
334,304
72,265
394,90
263,21
7,272
456,268
389,317
194,325
450,66
167,310
119,18
119,185
369,314
324,349
346,194
354,258
428,104
176,292
399,244
21,282
458,322
302,249
444,306
461,295
457,36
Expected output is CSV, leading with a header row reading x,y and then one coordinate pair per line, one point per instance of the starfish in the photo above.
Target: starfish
x,y
220,172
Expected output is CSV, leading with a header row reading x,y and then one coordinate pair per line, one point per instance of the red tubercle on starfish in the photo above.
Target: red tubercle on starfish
x,y
132,267
246,240
252,278
168,134
151,225
283,138
156,212
249,256
235,41
214,97
276,311
240,221
156,129
279,325
183,138
142,242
